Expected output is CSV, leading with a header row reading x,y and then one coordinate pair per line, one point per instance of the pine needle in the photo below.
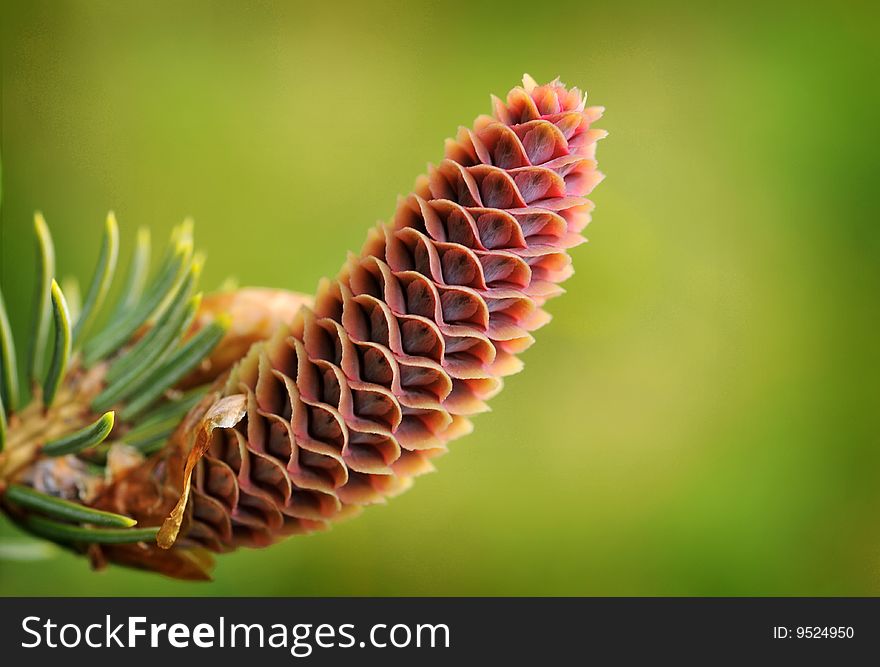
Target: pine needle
x,y
61,347
57,508
91,435
8,370
42,298
64,532
102,279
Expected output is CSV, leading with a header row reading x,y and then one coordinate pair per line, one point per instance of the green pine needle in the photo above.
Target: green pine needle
x,y
102,279
91,435
65,510
8,369
2,425
184,231
176,366
61,348
64,532
42,298
139,269
73,294
26,550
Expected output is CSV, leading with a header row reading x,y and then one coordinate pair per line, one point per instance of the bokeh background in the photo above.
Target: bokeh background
x,y
700,418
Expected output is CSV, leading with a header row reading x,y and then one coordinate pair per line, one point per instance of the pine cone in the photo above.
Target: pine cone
x,y
350,401
346,406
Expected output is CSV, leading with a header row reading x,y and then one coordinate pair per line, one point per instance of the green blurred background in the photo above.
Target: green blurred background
x,y
701,416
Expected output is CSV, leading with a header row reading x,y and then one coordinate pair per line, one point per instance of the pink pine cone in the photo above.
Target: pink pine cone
x,y
413,336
